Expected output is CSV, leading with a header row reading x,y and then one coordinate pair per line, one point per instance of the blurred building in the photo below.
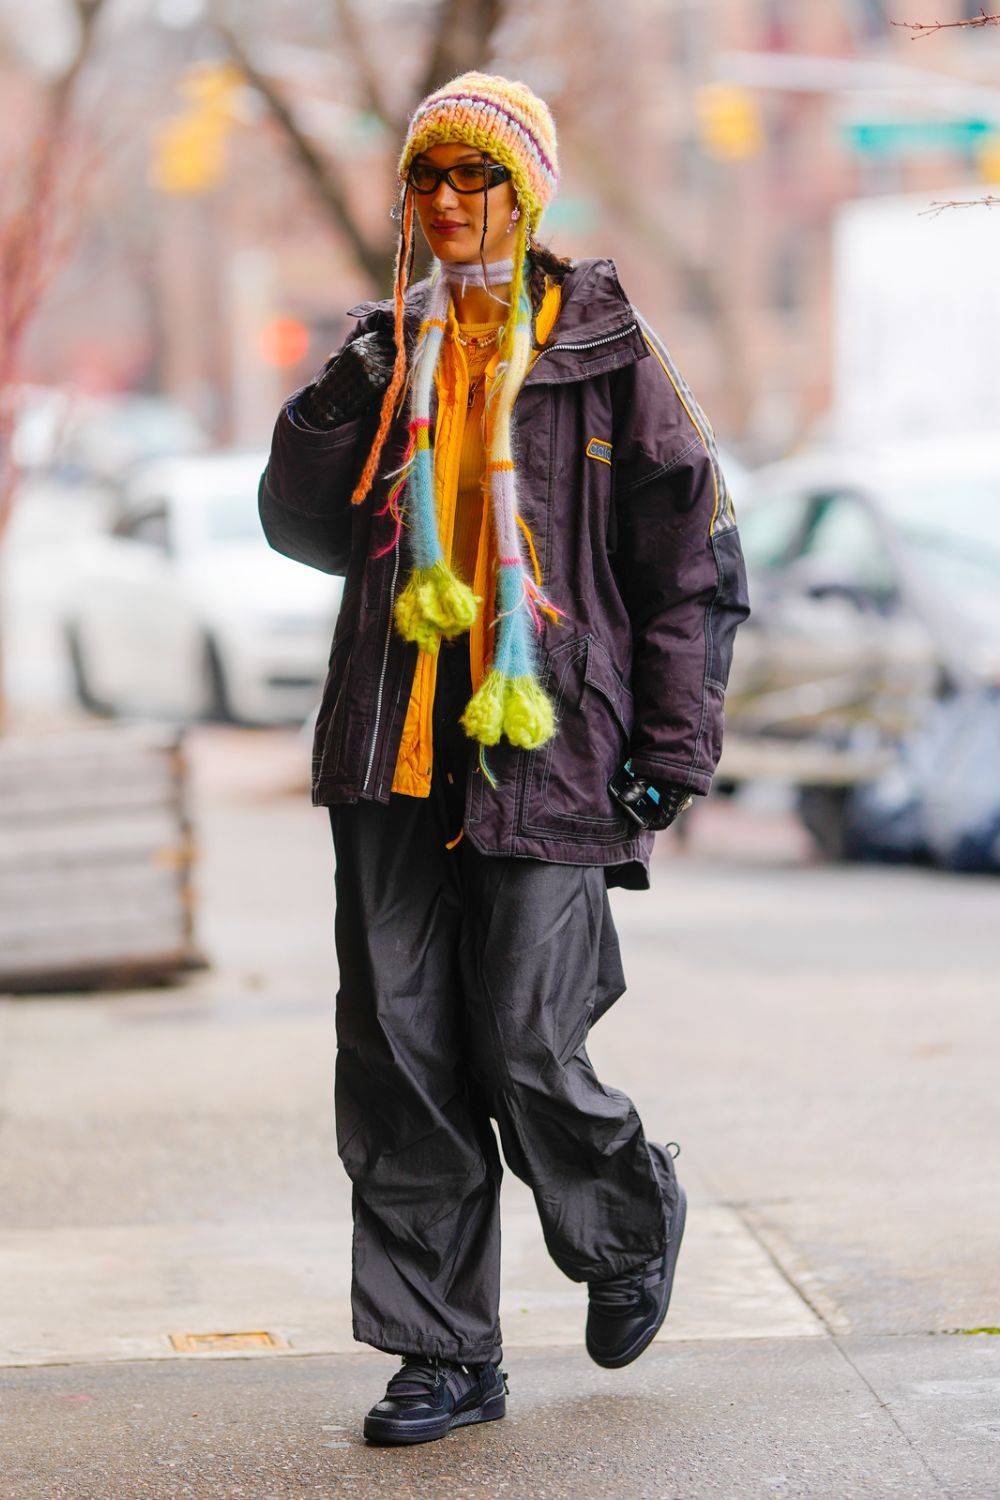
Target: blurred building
x,y
770,114
706,147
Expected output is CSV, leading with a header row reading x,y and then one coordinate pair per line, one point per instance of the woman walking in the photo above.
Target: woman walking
x,y
543,579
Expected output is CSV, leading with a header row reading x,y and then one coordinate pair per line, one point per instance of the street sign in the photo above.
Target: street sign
x,y
916,137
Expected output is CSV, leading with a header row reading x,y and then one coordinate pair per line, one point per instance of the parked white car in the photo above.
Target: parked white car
x,y
181,609
874,579
78,439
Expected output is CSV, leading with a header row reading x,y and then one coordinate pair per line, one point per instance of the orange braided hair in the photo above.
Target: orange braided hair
x,y
404,261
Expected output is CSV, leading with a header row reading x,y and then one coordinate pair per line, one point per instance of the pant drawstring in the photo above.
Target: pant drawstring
x,y
450,843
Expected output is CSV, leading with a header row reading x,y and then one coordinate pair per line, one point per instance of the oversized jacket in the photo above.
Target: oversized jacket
x,y
635,538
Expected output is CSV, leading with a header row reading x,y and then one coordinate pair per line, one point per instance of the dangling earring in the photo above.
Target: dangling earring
x,y
513,219
396,211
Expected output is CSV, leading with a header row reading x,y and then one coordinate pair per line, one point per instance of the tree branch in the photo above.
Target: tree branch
x,y
321,172
925,28
371,87
462,38
990,201
35,236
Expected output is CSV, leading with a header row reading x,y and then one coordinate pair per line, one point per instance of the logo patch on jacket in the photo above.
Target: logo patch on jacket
x,y
599,449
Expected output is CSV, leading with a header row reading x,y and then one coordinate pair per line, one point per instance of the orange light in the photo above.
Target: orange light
x,y
284,341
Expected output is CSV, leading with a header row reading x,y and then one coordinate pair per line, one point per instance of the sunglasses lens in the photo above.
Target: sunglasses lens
x,y
422,177
469,177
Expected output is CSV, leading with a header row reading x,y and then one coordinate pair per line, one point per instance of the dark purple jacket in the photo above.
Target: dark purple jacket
x,y
619,481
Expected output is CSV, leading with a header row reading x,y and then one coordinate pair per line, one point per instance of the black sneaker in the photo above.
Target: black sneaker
x,y
428,1397
626,1312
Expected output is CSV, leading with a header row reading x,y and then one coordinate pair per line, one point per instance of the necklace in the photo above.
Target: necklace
x,y
479,340
477,348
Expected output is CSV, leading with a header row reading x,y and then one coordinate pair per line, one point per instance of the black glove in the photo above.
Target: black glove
x,y
673,800
348,382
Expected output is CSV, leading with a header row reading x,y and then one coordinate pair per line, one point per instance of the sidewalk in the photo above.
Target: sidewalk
x,y
820,1041
727,1419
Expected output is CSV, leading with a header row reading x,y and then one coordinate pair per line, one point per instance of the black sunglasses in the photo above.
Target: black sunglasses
x,y
464,177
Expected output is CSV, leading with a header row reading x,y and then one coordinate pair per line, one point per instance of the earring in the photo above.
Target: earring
x,y
396,211
513,219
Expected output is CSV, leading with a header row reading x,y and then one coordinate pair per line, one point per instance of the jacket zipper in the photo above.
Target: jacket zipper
x,y
385,664
592,343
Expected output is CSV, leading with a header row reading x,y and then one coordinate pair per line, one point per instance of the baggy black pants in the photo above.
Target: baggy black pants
x,y
468,984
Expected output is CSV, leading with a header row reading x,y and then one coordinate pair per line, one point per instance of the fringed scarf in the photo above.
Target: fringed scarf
x,y
434,601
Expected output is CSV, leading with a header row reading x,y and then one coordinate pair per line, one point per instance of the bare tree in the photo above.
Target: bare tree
x,y
39,215
40,202
460,38
927,28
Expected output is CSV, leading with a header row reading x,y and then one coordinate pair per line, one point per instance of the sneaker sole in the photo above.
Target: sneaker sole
x,y
388,1433
673,1250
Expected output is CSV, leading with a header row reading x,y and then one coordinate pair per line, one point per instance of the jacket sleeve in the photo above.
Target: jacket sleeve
x,y
679,566
304,496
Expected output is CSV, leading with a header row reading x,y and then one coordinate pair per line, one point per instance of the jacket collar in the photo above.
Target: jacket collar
x,y
595,330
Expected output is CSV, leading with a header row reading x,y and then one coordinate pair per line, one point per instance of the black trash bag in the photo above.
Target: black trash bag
x,y
941,801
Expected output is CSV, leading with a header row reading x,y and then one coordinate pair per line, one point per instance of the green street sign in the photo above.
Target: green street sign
x,y
913,137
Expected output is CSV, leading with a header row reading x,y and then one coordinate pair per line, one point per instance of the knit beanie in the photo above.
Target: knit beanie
x,y
502,118
507,121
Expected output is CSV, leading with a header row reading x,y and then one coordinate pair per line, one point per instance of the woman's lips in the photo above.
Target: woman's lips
x,y
442,227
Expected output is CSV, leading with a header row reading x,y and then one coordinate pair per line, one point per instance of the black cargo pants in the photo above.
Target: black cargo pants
x,y
468,984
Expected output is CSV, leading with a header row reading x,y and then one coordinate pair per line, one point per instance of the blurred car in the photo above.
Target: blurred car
x,y
182,610
77,438
875,586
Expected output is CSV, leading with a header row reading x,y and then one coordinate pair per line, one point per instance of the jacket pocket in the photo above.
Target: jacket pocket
x,y
565,789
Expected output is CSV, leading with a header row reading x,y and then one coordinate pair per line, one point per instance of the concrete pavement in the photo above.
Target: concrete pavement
x,y
906,1417
820,1041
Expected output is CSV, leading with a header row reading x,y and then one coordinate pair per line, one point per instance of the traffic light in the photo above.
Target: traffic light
x,y
189,155
729,123
213,87
189,149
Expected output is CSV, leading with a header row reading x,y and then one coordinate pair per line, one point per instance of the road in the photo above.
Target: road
x,y
822,1043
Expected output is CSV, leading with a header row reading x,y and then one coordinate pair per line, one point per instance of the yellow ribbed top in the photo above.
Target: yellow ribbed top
x,y
471,477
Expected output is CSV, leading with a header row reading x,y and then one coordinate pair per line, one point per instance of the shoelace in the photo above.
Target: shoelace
x,y
419,1376
619,1292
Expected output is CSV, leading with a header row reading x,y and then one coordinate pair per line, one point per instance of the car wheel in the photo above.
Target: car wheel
x,y
822,812
85,695
216,706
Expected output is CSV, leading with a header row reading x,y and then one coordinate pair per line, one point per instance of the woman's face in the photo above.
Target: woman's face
x,y
453,222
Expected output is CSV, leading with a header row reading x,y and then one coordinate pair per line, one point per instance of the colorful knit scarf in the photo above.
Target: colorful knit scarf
x,y
506,120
